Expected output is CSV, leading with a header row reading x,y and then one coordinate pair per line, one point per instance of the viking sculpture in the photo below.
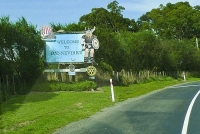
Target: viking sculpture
x,y
89,43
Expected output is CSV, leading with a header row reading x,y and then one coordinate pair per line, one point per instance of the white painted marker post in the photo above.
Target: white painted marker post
x,y
184,78
112,91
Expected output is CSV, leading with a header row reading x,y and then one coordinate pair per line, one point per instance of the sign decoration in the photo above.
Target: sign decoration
x,y
91,70
71,67
89,43
95,43
47,32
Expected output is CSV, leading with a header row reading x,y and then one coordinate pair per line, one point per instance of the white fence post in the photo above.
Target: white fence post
x,y
117,76
112,91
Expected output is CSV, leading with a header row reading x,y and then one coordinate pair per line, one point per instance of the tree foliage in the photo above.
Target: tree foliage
x,y
173,21
109,20
21,49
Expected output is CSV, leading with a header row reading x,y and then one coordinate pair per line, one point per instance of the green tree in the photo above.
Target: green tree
x,y
6,46
173,21
110,19
21,49
98,17
115,15
179,55
145,51
29,49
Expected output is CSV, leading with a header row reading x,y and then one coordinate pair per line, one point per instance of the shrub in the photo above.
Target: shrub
x,y
60,86
105,67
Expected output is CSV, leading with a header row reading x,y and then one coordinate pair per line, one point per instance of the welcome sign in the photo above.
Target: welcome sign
x,y
65,48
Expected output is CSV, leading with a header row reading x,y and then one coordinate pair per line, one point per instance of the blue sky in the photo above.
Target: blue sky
x,y
44,12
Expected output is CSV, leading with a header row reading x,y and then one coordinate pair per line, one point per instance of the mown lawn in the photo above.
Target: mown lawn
x,y
43,113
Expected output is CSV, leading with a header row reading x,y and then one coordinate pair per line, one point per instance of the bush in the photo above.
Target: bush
x,y
123,80
150,79
60,86
105,67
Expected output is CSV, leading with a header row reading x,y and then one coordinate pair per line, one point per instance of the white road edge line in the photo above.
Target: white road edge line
x,y
184,86
187,116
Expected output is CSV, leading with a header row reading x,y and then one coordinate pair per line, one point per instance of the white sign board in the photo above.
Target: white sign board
x,y
65,48
71,73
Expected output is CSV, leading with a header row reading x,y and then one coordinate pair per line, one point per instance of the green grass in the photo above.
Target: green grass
x,y
44,112
40,113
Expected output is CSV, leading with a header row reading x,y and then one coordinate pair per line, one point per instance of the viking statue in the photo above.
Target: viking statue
x,y
89,43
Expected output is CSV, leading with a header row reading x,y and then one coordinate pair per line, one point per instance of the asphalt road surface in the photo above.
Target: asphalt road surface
x,y
173,110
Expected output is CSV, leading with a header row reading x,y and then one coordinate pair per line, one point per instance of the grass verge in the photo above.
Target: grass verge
x,y
44,112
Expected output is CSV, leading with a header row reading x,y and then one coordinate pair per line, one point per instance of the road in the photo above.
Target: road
x,y
160,112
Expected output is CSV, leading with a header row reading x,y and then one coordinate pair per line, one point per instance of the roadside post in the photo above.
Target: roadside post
x,y
184,77
112,91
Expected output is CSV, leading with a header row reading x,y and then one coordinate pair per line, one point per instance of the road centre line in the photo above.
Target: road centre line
x,y
187,116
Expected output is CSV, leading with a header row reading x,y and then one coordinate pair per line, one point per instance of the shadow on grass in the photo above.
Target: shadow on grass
x,y
17,101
